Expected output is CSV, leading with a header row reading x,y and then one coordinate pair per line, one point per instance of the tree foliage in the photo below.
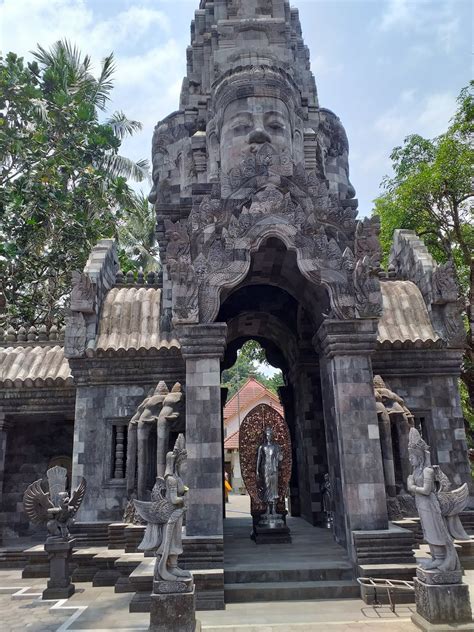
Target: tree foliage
x,y
250,359
63,182
431,192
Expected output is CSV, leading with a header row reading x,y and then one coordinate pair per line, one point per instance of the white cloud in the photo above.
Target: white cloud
x,y
398,13
428,117
439,20
320,66
145,82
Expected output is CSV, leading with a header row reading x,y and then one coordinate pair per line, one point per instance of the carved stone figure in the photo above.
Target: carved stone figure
x,y
157,409
432,507
82,293
393,415
164,518
55,508
269,458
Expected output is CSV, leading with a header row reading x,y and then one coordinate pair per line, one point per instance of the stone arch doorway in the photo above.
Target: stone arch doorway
x,y
279,308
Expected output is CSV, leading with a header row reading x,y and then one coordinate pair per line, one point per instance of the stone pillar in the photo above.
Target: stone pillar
x,y
386,444
59,553
4,426
352,431
202,346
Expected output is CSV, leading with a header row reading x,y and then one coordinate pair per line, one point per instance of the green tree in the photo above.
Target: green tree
x,y
250,359
431,192
137,237
63,182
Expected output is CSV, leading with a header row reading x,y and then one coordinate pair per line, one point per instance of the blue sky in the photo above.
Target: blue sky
x,y
388,68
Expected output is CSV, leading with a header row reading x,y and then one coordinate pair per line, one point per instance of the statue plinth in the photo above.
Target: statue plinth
x,y
442,601
59,553
173,608
271,529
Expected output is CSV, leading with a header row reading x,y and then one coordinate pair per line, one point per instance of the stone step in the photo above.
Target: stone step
x,y
209,588
290,591
386,571
300,574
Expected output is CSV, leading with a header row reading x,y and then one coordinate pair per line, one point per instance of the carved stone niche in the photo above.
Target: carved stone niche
x,y
250,437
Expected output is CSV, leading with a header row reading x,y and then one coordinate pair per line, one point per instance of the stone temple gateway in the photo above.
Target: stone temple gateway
x,y
259,239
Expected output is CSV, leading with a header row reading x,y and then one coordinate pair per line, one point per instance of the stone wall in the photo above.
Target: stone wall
x,y
428,382
31,445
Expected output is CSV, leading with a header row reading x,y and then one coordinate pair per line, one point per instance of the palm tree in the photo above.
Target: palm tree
x,y
137,235
67,78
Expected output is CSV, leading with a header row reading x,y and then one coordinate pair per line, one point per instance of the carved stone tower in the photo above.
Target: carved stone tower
x,y
252,195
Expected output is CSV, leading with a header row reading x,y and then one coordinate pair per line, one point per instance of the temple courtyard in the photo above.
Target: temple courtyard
x,y
101,609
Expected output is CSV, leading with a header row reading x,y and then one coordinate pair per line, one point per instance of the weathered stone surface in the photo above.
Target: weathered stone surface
x,y
447,603
59,582
173,612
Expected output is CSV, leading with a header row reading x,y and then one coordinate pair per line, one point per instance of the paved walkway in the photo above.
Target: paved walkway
x,y
101,610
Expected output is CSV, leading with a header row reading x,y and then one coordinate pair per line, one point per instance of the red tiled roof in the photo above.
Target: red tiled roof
x,y
232,442
250,392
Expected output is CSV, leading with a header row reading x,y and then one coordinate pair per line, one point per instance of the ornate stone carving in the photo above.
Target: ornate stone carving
x,y
367,243
278,165
82,293
445,286
75,341
159,408
164,517
55,508
433,507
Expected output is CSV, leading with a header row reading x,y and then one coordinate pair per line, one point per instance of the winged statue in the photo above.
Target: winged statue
x,y
452,502
55,508
164,516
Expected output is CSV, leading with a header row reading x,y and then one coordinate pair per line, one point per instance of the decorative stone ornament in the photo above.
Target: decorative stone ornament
x,y
441,597
56,509
173,598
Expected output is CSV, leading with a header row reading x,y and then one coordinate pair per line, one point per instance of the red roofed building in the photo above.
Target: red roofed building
x,y
250,395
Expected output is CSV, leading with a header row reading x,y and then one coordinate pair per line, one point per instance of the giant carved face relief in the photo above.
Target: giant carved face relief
x,y
255,127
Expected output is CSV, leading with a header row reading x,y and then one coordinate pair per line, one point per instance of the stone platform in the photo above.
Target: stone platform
x,y
312,566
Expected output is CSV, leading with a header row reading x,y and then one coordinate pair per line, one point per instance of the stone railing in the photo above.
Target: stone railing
x,y
31,335
133,278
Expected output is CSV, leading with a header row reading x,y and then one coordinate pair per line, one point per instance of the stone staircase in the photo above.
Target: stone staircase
x,y
290,584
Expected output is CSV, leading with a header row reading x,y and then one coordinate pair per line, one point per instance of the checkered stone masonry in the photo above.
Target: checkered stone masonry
x,y
354,452
202,347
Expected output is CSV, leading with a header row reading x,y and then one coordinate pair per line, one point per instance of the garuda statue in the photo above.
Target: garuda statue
x,y
164,516
436,507
55,508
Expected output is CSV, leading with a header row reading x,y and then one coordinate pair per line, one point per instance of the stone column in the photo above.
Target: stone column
x,y
4,426
352,431
202,346
59,583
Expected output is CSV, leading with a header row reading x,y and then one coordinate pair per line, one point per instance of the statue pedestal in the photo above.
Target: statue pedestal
x,y
271,529
173,607
59,553
442,601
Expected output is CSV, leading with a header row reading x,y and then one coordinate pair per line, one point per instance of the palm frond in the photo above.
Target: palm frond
x,y
117,165
123,126
104,83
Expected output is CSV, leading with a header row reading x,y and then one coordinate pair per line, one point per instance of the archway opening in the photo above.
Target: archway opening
x,y
278,308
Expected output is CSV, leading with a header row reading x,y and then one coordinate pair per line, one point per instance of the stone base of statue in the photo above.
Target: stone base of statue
x,y
271,529
59,553
442,601
173,607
